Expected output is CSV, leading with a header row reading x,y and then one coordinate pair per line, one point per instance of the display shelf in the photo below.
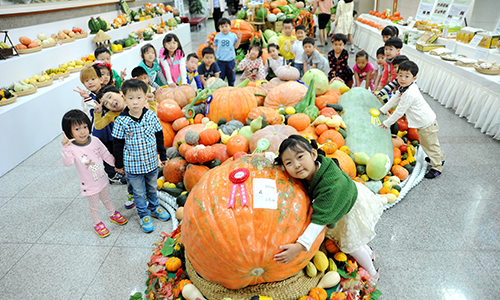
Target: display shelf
x,y
44,109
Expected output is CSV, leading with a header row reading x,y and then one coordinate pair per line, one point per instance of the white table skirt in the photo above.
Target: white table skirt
x,y
469,93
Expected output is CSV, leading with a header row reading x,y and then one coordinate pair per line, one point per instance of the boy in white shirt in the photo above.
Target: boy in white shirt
x,y
297,48
420,115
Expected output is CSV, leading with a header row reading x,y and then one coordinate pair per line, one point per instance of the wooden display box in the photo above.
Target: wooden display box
x,y
277,26
428,47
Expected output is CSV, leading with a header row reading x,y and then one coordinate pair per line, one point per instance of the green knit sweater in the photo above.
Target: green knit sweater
x,y
332,192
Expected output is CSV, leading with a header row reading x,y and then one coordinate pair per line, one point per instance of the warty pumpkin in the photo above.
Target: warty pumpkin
x,y
275,134
231,103
174,170
236,241
288,94
181,134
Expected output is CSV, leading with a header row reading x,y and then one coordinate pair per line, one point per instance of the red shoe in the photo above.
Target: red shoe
x,y
117,218
101,230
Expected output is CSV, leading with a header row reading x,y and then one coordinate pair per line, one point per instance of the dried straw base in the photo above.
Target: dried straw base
x,y
8,101
487,71
289,289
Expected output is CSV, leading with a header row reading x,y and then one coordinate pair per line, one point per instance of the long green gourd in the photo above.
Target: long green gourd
x,y
362,135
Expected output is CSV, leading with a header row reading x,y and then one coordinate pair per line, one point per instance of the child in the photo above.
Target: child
x,y
152,67
88,153
274,61
380,62
192,71
392,49
338,202
298,48
420,115
141,74
364,71
224,44
104,55
324,8
285,41
338,58
138,139
104,69
208,68
91,81
381,95
387,33
252,65
312,58
173,61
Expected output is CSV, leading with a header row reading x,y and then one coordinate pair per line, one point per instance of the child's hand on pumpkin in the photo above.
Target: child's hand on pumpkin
x,y
172,85
150,97
289,252
163,164
123,73
83,93
65,141
383,126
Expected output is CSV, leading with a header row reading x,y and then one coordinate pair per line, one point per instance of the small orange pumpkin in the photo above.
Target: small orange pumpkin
x,y
183,283
321,128
331,246
238,143
330,148
169,110
180,123
331,136
318,294
400,172
299,121
209,136
173,264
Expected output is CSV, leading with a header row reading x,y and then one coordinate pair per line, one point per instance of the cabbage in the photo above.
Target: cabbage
x,y
320,80
271,18
273,40
269,33
335,85
378,166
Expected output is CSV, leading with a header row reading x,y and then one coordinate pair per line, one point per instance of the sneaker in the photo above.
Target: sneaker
x,y
147,225
160,214
432,174
130,201
352,49
326,43
101,230
374,279
117,179
428,160
117,218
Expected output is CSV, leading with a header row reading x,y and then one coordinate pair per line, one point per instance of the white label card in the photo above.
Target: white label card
x,y
475,41
265,193
481,53
445,32
412,24
452,45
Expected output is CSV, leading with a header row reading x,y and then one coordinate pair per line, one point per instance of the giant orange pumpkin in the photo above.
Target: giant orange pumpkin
x,y
182,133
241,242
288,94
193,174
231,103
259,93
275,134
168,133
244,27
346,163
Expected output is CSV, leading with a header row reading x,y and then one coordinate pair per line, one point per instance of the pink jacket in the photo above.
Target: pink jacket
x,y
89,165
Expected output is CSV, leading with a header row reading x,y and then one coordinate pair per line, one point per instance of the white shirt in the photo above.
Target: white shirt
x,y
297,49
418,112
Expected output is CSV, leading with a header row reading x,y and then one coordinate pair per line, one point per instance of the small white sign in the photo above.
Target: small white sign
x,y
412,24
481,53
445,32
475,41
452,45
265,193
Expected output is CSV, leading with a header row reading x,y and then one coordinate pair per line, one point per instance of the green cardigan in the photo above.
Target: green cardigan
x,y
332,193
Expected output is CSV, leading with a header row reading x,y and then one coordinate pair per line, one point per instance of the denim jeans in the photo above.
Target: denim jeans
x,y
300,67
142,185
227,71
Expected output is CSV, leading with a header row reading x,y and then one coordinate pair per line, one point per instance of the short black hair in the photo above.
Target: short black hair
x,y
387,31
259,48
145,48
138,71
72,117
409,66
288,21
399,59
308,40
394,29
207,50
100,50
97,70
191,55
104,90
395,42
380,51
362,53
300,27
223,21
134,85
339,37
272,45
354,13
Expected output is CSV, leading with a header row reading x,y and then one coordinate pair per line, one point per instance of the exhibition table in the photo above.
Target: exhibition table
x,y
34,120
470,94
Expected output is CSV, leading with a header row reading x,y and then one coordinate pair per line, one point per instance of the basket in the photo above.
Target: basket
x,y
66,40
451,58
26,93
9,101
29,50
118,51
126,48
486,71
7,52
56,76
44,84
289,289
89,64
82,35
48,45
77,69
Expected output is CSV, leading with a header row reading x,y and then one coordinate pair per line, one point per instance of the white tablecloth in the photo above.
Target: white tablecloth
x,y
469,93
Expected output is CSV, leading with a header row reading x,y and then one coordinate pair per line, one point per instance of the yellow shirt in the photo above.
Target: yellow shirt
x,y
285,45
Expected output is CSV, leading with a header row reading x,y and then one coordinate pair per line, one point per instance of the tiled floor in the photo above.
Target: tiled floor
x,y
441,242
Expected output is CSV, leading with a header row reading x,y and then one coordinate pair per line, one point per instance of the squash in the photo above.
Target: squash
x,y
174,170
346,163
237,143
169,111
275,134
362,135
183,95
299,121
330,280
311,270
328,112
193,174
208,244
168,134
209,136
269,116
287,94
259,93
25,41
183,282
320,80
246,29
287,73
331,246
183,148
192,138
400,172
180,123
190,292
198,118
318,294
338,296
309,133
229,127
181,134
340,259
321,128
173,264
172,152
330,97
320,261
397,141
378,165
331,136
231,103
220,152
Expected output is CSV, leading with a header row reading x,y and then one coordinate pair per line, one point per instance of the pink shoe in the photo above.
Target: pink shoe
x,y
117,218
101,230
